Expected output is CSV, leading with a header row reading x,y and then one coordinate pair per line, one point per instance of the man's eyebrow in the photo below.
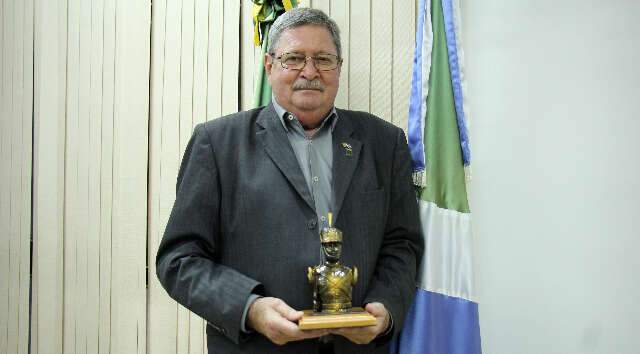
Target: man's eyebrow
x,y
300,53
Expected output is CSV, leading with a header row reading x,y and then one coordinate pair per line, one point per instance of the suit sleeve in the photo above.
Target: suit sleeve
x,y
394,279
186,259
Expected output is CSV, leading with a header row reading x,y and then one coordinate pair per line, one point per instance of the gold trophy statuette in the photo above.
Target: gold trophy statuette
x,y
332,283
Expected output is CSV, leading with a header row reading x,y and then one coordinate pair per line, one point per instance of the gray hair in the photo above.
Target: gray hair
x,y
301,16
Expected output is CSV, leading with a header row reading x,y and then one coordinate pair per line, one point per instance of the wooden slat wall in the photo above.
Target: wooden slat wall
x,y
16,101
195,77
91,60
113,100
50,61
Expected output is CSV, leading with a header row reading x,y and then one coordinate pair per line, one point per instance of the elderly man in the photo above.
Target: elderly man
x,y
254,189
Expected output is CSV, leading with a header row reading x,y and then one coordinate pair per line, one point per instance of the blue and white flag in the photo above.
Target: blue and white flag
x,y
444,316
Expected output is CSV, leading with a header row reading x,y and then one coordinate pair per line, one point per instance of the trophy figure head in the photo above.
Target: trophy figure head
x,y
331,240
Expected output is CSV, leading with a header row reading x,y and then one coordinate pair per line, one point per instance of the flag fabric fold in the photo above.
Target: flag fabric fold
x,y
444,316
264,14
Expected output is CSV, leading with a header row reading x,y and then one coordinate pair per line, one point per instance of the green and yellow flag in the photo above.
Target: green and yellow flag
x,y
264,13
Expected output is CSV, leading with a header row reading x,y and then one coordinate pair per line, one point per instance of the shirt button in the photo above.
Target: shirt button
x,y
323,218
316,179
290,117
312,223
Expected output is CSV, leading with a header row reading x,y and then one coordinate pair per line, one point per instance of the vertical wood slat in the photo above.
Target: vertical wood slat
x,y
359,52
128,321
248,55
200,50
403,45
214,65
5,189
340,14
94,176
106,176
16,164
162,324
49,175
231,53
71,175
14,176
168,157
25,179
381,58
81,224
4,176
12,234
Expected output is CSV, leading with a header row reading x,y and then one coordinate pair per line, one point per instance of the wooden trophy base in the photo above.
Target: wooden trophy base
x,y
357,317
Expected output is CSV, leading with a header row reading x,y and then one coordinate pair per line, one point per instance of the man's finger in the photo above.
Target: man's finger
x,y
376,309
292,333
287,311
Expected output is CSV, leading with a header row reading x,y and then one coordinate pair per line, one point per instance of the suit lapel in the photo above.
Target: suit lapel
x,y
346,153
274,139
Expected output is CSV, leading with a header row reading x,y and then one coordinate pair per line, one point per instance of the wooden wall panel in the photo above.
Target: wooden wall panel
x,y
26,176
359,54
15,122
214,66
161,328
5,158
50,63
340,14
91,60
130,161
96,55
195,77
5,188
106,176
16,95
249,54
231,53
71,298
381,58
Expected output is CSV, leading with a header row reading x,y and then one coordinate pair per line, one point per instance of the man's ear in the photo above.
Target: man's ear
x,y
268,64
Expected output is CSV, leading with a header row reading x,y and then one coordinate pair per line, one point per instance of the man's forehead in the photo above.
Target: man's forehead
x,y
307,39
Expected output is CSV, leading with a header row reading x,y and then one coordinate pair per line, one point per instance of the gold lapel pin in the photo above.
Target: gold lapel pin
x,y
347,149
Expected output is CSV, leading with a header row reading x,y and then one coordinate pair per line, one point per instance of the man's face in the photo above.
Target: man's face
x,y
289,85
332,251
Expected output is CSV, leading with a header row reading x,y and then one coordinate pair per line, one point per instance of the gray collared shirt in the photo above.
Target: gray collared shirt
x,y
315,157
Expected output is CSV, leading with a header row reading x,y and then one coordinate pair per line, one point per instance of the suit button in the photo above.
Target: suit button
x,y
312,223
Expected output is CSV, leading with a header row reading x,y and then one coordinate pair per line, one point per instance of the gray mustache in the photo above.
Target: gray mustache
x,y
308,85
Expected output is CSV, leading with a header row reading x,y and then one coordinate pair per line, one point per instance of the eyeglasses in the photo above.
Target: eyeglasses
x,y
322,62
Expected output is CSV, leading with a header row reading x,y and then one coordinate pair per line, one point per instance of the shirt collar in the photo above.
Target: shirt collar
x,y
332,117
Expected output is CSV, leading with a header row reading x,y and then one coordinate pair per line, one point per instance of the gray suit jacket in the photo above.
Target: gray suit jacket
x,y
244,222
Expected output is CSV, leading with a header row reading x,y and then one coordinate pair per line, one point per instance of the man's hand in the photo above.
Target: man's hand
x,y
276,320
364,335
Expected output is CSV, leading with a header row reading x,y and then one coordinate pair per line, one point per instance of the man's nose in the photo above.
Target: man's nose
x,y
309,71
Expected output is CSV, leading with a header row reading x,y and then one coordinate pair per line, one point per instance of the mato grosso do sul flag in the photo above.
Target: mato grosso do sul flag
x,y
444,316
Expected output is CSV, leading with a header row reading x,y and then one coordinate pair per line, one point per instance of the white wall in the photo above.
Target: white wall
x,y
553,87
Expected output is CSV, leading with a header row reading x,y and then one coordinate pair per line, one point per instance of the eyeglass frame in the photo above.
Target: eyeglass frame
x,y
306,59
